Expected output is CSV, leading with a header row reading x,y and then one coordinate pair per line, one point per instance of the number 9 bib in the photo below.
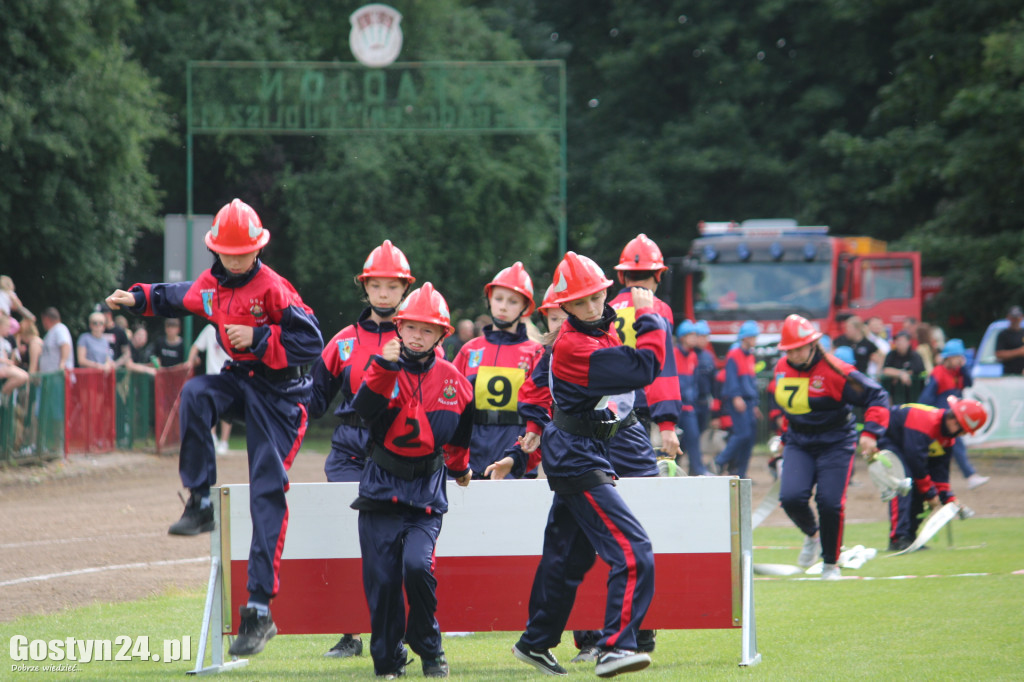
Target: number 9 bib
x,y
497,388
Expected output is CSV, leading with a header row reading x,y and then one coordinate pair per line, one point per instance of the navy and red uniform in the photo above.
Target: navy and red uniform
x,y
821,438
588,364
340,368
420,417
705,385
740,382
686,368
657,403
262,384
942,383
496,364
917,437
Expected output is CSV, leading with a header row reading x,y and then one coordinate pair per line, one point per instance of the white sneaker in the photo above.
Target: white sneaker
x,y
810,551
975,481
222,447
831,572
965,512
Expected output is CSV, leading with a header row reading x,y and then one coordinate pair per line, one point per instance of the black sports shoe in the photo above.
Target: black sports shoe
x,y
346,647
543,661
253,632
194,520
645,640
899,543
435,667
614,662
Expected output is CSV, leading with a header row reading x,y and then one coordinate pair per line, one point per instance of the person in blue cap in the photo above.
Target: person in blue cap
x,y
949,378
686,369
705,374
740,402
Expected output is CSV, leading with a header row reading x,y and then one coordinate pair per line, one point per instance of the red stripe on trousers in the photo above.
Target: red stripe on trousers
x,y
627,550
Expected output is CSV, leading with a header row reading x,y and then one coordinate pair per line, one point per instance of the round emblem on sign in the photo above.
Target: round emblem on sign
x,y
376,36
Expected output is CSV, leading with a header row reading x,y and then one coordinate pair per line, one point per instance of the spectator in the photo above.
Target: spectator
x,y
93,348
122,322
864,351
1010,343
9,301
876,334
56,353
903,371
924,346
11,375
30,345
170,349
464,331
117,337
141,359
910,325
216,357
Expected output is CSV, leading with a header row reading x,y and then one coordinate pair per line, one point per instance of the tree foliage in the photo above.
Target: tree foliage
x,y
77,118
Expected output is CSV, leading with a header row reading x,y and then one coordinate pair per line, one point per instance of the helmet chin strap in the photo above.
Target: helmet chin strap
x,y
416,356
384,312
814,357
503,324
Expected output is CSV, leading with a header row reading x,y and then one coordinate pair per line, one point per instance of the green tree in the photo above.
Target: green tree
x,y
77,119
461,207
941,161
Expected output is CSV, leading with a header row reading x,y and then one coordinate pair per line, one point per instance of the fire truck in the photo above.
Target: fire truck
x,y
765,270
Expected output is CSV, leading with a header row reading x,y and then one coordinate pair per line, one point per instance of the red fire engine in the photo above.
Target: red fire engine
x,y
766,269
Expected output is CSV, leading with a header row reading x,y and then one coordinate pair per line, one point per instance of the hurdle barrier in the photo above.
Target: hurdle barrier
x,y
490,544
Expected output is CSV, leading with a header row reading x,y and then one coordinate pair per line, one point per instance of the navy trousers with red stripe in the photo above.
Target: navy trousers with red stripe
x,y
398,552
275,422
825,469
578,525
904,512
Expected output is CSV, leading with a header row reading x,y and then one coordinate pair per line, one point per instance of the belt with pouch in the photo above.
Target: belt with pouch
x,y
843,420
405,468
588,428
274,376
501,417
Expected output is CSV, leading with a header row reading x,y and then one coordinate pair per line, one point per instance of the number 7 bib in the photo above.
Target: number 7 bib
x,y
792,394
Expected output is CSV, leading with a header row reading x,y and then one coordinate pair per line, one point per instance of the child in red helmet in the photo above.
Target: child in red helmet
x,y
588,517
922,437
497,363
815,391
384,280
419,412
270,334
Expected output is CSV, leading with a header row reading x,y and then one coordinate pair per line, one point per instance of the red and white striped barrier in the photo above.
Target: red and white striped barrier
x,y
488,551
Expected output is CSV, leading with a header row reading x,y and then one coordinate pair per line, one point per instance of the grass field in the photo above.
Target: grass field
x,y
958,614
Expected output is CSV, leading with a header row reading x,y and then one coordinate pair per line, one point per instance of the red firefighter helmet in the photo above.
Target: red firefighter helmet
x,y
387,260
797,332
514,277
426,304
641,254
237,230
970,414
549,300
577,276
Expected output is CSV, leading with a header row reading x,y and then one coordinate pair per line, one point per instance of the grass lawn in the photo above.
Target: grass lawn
x,y
957,615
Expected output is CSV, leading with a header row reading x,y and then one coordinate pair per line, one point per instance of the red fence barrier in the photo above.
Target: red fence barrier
x,y
90,411
167,385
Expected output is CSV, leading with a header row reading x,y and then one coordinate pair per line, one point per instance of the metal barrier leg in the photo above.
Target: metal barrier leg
x,y
750,655
213,611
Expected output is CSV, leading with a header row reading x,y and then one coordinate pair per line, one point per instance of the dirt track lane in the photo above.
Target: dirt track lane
x,y
114,510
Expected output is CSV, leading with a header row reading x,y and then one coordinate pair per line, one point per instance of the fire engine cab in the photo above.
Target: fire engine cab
x,y
765,270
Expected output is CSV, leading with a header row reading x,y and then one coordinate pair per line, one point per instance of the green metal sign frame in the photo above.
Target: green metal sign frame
x,y
333,98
